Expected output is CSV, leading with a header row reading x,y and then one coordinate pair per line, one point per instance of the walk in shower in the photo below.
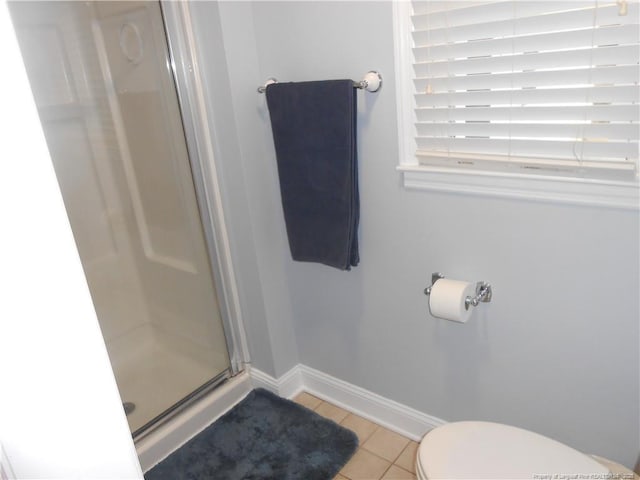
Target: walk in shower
x,y
101,76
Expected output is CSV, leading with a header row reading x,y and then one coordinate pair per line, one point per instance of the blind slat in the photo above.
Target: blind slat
x,y
422,7
596,113
534,96
611,131
502,163
532,148
583,38
613,55
626,74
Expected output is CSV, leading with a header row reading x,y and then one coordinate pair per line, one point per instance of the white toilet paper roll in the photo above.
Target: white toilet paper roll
x,y
447,299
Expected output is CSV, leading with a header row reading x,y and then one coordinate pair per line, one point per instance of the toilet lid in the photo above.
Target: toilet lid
x,y
492,450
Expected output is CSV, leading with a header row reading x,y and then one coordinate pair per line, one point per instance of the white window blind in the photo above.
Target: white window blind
x,y
547,87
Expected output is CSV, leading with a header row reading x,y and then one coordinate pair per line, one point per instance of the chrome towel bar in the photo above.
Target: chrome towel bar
x,y
371,82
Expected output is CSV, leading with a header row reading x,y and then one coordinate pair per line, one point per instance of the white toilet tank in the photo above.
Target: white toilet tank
x,y
485,450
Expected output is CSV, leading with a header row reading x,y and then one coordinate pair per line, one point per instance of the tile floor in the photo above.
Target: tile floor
x,y
381,455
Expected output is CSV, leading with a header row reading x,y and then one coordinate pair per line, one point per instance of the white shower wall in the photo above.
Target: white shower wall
x,y
171,256
105,93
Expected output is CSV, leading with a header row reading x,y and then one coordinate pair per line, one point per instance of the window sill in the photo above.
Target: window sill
x,y
599,193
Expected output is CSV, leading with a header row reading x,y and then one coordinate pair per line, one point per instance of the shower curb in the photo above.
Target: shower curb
x,y
160,443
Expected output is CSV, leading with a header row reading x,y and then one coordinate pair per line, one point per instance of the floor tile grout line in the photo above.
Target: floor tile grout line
x,y
397,456
399,468
385,459
391,463
360,444
385,472
381,458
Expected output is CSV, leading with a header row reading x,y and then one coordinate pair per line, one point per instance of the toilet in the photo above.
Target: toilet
x,y
486,450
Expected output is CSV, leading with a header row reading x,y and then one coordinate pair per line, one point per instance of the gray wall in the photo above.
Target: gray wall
x,y
229,65
557,349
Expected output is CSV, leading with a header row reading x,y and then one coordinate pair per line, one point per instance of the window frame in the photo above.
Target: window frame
x,y
496,183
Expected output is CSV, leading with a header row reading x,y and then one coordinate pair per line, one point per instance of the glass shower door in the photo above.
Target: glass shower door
x,y
100,73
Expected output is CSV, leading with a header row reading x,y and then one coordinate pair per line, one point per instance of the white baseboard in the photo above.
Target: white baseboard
x,y
395,416
287,386
390,414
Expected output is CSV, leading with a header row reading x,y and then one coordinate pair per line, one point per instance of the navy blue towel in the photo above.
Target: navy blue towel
x,y
314,132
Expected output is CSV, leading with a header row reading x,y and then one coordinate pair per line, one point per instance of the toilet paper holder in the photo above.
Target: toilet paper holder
x,y
483,291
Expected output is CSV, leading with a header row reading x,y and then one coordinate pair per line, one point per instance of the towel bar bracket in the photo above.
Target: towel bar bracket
x,y
270,80
371,82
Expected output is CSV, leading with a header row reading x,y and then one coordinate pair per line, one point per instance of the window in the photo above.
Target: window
x,y
521,98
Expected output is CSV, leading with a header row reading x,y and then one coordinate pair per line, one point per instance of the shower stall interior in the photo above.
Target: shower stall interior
x,y
102,78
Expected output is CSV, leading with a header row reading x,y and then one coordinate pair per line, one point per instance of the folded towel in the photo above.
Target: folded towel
x,y
314,132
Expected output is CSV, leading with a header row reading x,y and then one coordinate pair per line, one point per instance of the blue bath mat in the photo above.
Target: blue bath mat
x,y
262,437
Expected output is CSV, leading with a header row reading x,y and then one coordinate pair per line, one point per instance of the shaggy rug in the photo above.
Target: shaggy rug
x,y
262,437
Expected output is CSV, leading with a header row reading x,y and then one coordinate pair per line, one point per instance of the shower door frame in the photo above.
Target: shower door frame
x,y
193,107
